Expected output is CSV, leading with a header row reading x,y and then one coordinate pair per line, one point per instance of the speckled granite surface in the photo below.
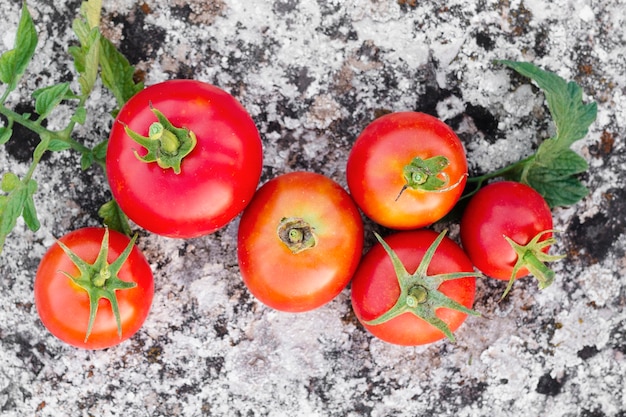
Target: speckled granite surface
x,y
313,73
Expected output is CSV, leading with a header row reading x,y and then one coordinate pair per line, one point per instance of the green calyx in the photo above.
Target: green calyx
x,y
166,144
419,294
533,258
427,175
296,234
100,279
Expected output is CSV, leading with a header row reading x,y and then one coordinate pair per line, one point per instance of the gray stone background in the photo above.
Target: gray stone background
x,y
313,73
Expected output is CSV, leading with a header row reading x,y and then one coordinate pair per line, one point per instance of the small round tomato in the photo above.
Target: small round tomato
x,y
414,288
300,241
506,229
184,158
93,288
406,170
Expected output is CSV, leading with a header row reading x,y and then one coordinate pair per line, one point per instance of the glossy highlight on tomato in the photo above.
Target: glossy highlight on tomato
x,y
217,178
64,307
299,242
384,155
375,288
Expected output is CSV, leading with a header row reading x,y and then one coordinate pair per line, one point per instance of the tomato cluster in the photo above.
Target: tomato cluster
x,y
184,159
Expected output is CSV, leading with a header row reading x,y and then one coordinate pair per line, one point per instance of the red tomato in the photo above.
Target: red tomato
x,y
378,285
64,306
300,241
395,189
510,210
217,178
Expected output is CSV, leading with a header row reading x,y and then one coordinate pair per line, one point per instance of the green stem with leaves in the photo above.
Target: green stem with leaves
x,y
554,168
95,56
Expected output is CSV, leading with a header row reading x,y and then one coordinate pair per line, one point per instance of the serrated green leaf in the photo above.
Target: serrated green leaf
x,y
571,116
13,63
552,170
114,218
117,73
46,99
5,134
563,164
559,192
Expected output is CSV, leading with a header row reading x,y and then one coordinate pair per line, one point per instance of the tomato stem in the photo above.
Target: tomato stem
x,y
533,257
169,142
480,180
419,292
167,145
425,174
296,234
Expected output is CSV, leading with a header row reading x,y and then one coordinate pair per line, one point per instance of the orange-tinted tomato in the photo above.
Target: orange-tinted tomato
x,y
376,170
293,210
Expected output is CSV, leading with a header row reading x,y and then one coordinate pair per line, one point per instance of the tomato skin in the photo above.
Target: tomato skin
x,y
303,281
376,161
375,287
217,179
64,307
503,208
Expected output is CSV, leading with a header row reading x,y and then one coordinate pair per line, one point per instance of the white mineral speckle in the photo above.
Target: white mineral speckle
x,y
312,74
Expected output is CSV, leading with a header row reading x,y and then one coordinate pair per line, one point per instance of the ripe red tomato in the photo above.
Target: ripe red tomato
x,y
64,305
217,177
498,217
300,241
409,292
406,170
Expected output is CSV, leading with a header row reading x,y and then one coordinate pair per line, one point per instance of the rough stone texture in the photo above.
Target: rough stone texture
x,y
313,73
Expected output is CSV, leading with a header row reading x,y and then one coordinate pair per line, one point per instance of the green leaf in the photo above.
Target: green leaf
x,y
88,77
80,116
46,99
5,134
114,218
89,18
86,160
57,145
42,147
571,116
29,213
79,57
13,63
552,170
117,73
9,182
87,56
100,150
91,11
18,202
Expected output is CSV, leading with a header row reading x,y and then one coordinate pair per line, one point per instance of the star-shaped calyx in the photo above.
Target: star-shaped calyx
x,y
167,145
533,257
419,292
100,279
